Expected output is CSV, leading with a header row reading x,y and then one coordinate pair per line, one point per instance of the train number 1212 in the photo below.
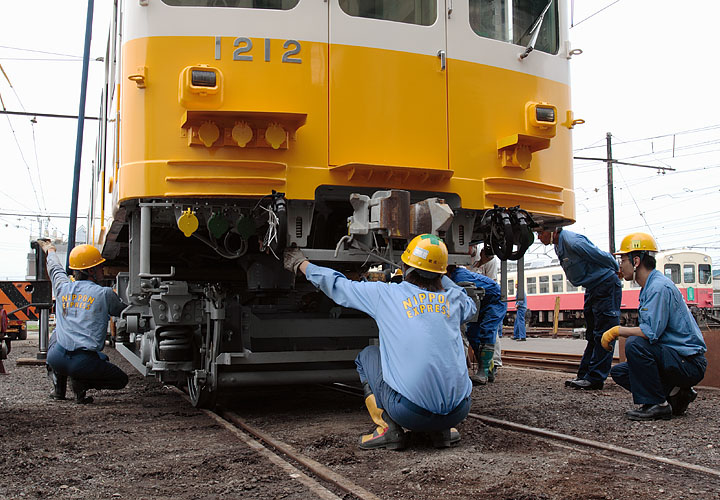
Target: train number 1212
x,y
244,45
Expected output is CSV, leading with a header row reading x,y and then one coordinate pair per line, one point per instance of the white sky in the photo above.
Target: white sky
x,y
648,69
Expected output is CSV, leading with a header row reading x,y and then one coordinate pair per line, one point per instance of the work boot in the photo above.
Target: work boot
x,y
388,434
445,438
650,412
59,383
680,398
569,383
485,364
80,388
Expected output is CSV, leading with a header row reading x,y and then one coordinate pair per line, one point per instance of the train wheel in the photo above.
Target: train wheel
x,y
22,335
201,395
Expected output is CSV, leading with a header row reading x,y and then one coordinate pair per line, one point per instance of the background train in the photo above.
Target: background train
x,y
231,129
690,271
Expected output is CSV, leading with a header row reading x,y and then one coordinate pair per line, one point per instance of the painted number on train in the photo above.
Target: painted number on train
x,y
244,46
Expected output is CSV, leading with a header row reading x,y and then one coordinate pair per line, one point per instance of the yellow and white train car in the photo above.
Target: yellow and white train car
x,y
234,128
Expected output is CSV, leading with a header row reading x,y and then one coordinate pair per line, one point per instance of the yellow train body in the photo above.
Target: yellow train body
x,y
370,117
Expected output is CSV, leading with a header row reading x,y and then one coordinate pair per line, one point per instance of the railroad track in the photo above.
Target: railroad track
x,y
326,484
562,362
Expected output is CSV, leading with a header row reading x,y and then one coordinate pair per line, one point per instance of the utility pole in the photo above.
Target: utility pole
x,y
611,197
80,128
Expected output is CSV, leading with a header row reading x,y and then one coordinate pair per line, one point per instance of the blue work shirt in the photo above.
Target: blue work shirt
x,y
82,309
421,349
584,264
666,319
492,308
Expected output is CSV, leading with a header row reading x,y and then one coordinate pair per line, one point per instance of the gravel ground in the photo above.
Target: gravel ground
x,y
147,442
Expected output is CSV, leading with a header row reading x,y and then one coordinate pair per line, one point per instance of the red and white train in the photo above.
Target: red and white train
x,y
690,271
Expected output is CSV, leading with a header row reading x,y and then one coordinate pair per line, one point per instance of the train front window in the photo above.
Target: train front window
x,y
544,284
243,4
421,12
672,271
512,21
557,283
689,273
531,286
704,274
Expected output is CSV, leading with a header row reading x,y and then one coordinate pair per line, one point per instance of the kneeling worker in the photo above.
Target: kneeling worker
x,y
665,353
482,334
82,311
417,377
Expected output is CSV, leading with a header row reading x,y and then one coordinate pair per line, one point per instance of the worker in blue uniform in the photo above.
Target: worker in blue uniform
x,y
665,353
416,378
519,327
587,266
82,311
482,334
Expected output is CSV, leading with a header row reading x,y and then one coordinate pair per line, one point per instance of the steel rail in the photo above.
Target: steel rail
x,y
593,444
233,423
315,467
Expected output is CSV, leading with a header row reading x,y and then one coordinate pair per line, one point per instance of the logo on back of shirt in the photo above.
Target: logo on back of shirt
x,y
76,301
425,302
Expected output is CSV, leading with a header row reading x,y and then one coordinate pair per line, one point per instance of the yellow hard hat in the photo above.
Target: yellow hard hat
x,y
85,257
637,242
426,252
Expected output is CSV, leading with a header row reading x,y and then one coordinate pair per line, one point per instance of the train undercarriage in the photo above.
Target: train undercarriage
x,y
211,306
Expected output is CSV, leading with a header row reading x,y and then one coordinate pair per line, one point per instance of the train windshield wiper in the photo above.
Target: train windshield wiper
x,y
534,30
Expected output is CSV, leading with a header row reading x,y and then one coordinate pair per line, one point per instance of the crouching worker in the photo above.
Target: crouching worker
x,y
482,334
665,353
82,311
417,378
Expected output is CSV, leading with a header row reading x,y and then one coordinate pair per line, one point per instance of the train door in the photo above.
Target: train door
x,y
388,86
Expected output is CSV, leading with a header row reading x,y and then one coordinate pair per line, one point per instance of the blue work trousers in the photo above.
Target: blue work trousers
x,y
402,410
519,327
652,370
602,312
92,369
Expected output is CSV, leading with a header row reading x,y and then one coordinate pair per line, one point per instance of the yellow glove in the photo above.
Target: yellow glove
x,y
609,336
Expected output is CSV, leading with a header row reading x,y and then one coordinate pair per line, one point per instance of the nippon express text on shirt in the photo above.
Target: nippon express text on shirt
x,y
77,301
423,303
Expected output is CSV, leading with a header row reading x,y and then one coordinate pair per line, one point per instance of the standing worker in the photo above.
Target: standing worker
x,y
82,311
665,354
519,327
416,378
587,266
482,334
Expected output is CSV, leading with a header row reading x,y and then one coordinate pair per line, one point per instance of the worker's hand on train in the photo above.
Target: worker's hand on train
x,y
609,336
46,245
293,258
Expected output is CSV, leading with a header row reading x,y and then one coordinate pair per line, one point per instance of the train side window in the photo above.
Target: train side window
x,y
493,19
689,273
531,285
704,274
245,4
544,284
570,287
672,271
421,12
557,283
511,287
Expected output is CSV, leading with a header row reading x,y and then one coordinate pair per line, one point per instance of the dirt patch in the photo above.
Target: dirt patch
x,y
147,442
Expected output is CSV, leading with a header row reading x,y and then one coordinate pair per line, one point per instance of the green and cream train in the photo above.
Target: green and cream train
x,y
232,129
